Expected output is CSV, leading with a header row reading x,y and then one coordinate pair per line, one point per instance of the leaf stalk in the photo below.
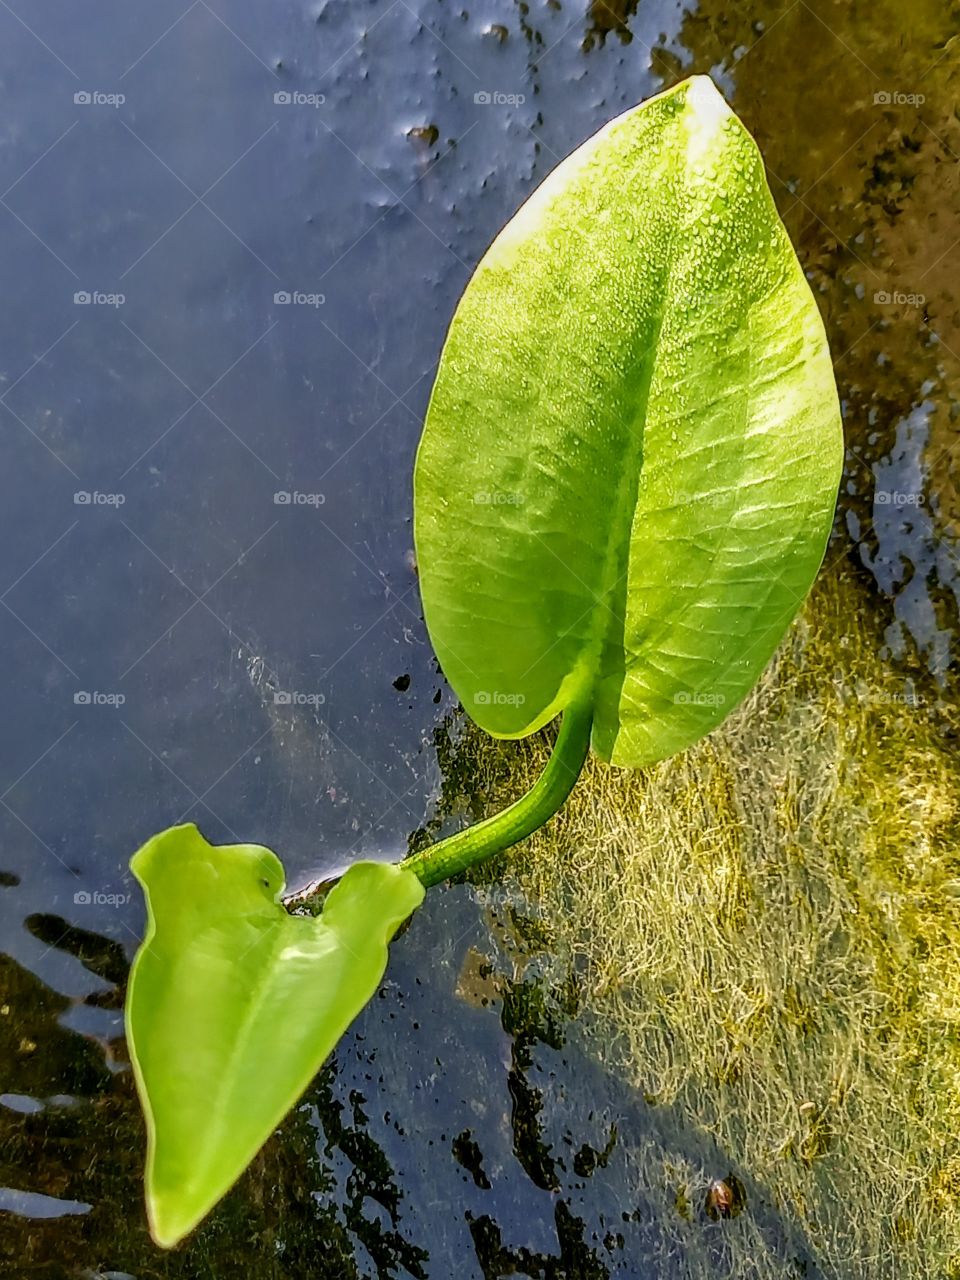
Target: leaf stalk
x,y
467,848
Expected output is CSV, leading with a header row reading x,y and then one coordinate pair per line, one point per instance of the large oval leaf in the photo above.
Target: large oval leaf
x,y
630,461
233,1004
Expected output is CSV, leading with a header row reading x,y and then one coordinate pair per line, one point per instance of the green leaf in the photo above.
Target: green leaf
x,y
628,471
233,1004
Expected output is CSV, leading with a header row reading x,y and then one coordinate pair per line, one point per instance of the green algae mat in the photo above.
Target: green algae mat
x,y
764,935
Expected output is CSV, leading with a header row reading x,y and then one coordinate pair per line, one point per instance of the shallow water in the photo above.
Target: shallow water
x,y
199,599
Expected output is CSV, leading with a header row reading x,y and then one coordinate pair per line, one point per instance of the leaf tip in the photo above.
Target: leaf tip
x,y
171,1221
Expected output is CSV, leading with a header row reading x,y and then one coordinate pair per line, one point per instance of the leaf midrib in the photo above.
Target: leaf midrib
x,y
616,562
257,997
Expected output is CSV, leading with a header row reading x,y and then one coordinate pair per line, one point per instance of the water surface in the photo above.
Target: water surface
x,y
276,680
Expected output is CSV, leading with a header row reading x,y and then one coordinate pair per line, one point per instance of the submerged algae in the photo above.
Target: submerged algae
x,y
765,932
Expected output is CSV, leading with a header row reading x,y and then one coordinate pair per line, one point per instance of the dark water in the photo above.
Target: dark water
x,y
455,1132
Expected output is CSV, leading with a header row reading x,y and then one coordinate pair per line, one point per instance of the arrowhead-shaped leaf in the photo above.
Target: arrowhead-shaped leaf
x,y
233,1004
630,462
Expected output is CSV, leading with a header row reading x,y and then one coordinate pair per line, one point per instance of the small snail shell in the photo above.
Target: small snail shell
x,y
726,1198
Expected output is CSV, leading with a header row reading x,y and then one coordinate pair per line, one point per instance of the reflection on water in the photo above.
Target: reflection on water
x,y
276,677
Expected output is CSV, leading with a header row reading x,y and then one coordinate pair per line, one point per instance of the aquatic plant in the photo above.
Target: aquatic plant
x,y
622,495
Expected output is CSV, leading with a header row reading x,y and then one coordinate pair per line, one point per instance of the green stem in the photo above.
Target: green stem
x,y
465,849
